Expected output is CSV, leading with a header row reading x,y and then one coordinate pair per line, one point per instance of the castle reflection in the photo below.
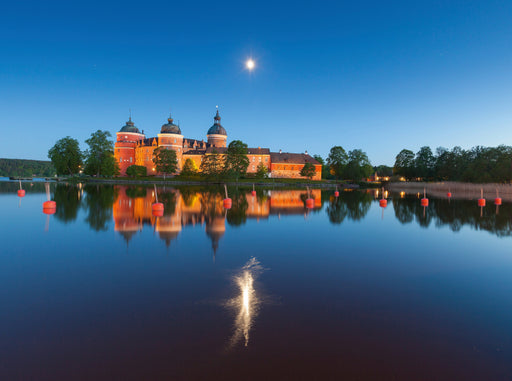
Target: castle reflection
x,y
187,207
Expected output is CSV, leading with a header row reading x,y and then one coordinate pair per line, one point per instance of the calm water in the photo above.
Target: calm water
x,y
102,289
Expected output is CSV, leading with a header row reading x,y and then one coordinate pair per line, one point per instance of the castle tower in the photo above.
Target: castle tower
x,y
124,147
217,136
170,137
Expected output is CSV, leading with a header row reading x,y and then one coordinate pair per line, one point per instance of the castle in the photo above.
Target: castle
x,y
132,147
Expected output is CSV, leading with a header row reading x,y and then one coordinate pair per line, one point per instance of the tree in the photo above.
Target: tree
x,y
100,155
189,168
325,168
337,160
358,166
212,165
261,171
66,156
236,160
165,160
136,171
308,170
404,164
424,163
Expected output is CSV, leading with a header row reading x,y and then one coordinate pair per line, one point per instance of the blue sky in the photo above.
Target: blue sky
x,y
380,76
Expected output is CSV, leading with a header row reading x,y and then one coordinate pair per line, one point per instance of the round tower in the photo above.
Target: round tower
x,y
170,137
217,136
124,147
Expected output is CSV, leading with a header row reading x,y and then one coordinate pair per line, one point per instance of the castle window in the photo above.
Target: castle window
x,y
253,167
253,158
120,159
174,140
266,159
260,159
130,159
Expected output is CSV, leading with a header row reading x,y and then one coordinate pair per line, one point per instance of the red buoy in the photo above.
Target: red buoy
x,y
253,193
336,194
383,202
49,205
49,210
21,193
158,213
497,201
424,201
157,207
227,203
449,194
481,202
310,203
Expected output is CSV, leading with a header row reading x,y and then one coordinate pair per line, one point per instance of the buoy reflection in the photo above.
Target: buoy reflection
x,y
246,303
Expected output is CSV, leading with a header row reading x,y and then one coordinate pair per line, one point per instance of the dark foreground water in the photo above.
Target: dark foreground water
x,y
102,289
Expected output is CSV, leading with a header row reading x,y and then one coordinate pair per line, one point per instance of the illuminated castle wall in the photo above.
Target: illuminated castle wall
x,y
132,147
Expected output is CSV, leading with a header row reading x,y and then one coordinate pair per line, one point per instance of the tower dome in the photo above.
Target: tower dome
x,y
217,129
129,127
170,127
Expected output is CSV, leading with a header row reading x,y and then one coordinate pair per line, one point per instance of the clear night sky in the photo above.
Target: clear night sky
x,y
376,75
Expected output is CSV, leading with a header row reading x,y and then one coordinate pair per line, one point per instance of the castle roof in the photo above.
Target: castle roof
x,y
217,129
170,127
129,127
292,158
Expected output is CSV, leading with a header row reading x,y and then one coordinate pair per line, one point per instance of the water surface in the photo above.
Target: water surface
x,y
268,289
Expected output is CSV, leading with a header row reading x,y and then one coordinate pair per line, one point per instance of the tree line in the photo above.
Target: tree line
x,y
339,164
97,160
26,168
478,164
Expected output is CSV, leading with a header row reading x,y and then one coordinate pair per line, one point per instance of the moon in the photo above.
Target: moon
x,y
250,64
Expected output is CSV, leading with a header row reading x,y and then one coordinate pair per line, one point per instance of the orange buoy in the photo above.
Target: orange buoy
x,y
158,213
49,210
157,206
449,194
49,205
481,202
310,203
497,201
21,193
424,201
336,194
383,202
253,193
227,203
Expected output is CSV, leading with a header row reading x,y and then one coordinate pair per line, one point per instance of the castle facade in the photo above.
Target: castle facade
x,y
132,147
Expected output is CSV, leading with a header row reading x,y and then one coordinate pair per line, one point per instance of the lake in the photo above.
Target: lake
x,y
269,289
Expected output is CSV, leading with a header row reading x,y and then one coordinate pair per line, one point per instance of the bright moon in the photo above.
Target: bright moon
x,y
249,64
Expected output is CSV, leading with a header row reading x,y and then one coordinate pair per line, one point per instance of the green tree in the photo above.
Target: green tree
x,y
404,164
100,155
308,170
66,156
189,168
165,160
424,163
212,165
358,166
261,171
337,160
136,171
236,160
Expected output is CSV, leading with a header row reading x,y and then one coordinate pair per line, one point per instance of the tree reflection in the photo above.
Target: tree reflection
x,y
98,202
455,214
68,198
336,210
237,215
